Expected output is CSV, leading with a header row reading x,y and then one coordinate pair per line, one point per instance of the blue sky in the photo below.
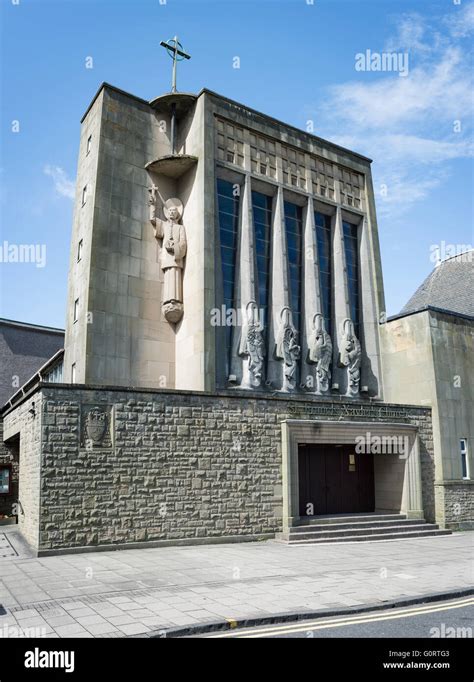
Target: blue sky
x,y
297,63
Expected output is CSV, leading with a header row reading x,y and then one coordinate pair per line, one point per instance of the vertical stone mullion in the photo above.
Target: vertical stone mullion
x,y
247,155
279,163
247,266
307,173
312,303
368,310
337,184
279,285
341,298
245,271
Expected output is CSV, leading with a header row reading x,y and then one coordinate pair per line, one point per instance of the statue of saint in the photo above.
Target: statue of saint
x,y
173,252
252,346
350,356
287,349
320,353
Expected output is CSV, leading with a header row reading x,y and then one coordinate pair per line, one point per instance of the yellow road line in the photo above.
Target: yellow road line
x,y
341,621
355,622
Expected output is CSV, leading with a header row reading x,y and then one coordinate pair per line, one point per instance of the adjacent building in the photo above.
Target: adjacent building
x,y
429,360
24,349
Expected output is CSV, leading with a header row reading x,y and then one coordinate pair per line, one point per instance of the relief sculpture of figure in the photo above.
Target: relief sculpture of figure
x,y
173,252
287,349
252,346
350,356
320,353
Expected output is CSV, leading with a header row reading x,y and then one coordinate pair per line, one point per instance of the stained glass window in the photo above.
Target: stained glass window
x,y
262,220
294,229
352,265
228,207
323,238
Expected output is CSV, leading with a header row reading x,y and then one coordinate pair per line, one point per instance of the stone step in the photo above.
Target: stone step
x,y
349,518
355,525
352,532
402,535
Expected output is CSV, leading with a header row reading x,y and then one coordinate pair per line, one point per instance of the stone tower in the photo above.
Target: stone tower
x,y
276,225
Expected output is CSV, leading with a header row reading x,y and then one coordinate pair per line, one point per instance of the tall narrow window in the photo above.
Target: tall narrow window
x,y
76,310
352,263
262,219
323,238
84,195
294,230
464,459
79,250
89,144
73,373
228,207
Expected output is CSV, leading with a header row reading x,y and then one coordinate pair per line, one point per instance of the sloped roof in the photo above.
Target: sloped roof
x,y
449,287
24,348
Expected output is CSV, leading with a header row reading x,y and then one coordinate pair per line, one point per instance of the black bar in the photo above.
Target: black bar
x,y
145,658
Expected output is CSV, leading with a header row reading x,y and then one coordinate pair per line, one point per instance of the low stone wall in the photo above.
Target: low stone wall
x,y
171,465
455,504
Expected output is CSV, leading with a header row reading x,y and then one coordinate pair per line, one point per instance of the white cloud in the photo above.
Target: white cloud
x,y
441,91
411,148
408,125
408,149
63,185
403,190
410,35
461,23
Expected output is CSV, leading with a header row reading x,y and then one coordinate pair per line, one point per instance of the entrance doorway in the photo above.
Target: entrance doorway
x,y
9,475
335,480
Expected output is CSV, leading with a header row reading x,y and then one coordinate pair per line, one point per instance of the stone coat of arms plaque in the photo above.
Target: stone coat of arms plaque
x,y
96,423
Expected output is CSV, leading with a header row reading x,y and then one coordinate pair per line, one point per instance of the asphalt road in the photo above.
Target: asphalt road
x,y
439,620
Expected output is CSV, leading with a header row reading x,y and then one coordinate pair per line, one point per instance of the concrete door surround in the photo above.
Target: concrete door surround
x,y
296,431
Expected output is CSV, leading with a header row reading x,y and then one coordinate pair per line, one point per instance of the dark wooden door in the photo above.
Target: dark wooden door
x,y
334,477
365,481
335,480
312,481
349,479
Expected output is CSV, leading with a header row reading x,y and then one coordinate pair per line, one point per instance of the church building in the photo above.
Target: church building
x,y
224,370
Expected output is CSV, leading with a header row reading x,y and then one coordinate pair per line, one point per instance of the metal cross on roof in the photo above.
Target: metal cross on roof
x,y
177,54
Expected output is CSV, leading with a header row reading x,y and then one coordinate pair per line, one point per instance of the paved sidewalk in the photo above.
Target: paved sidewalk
x,y
133,592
